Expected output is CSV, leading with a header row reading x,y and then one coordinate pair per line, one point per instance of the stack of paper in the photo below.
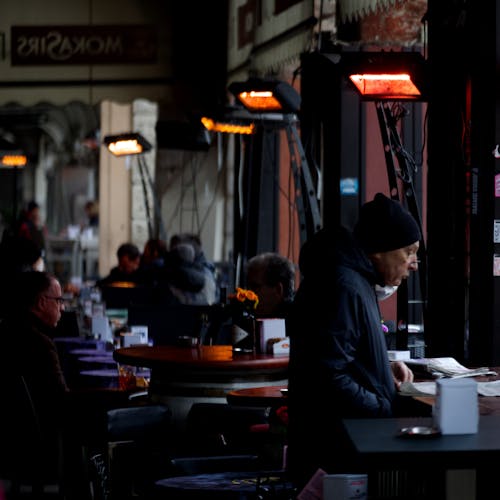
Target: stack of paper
x,y
447,367
418,389
429,388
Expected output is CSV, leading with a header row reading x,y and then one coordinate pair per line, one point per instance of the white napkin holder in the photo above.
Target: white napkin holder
x,y
269,329
141,331
129,339
456,408
101,328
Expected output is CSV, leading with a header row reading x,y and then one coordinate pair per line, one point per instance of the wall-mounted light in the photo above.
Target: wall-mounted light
x,y
263,96
230,120
396,76
130,143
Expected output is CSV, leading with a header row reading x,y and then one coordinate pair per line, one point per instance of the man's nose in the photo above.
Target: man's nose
x,y
414,265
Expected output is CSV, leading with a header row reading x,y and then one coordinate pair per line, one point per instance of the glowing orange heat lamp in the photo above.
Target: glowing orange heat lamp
x,y
260,101
386,86
387,76
266,96
13,160
127,144
227,127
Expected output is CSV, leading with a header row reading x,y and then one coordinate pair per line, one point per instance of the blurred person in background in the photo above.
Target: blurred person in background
x,y
152,262
272,277
187,253
127,269
31,227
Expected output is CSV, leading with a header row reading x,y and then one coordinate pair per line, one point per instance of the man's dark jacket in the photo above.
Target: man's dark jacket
x,y
339,366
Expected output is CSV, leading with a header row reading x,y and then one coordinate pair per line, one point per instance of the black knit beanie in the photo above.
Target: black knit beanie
x,y
385,225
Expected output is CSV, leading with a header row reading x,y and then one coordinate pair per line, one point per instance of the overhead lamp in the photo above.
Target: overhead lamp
x,y
11,156
127,144
13,160
393,76
227,127
263,96
230,120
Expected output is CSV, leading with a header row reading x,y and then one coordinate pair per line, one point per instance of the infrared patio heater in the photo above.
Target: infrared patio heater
x,y
273,105
12,157
133,143
389,78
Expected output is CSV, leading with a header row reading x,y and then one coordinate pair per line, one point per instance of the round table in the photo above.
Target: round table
x,y
226,485
267,396
182,376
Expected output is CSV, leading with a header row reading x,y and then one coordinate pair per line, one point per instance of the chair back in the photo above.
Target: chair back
x,y
22,456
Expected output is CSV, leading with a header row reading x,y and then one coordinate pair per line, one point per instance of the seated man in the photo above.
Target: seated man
x,y
129,258
28,351
272,277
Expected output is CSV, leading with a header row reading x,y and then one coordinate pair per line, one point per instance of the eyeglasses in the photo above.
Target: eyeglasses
x,y
59,300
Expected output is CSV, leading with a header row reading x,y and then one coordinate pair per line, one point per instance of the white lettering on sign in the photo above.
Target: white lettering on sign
x,y
60,47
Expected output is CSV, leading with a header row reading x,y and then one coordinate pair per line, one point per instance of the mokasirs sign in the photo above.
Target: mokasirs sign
x,y
39,45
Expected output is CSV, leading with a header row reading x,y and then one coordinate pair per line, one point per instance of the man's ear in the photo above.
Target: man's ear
x,y
375,257
280,288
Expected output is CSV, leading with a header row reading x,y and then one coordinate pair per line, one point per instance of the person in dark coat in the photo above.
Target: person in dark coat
x,y
127,270
339,367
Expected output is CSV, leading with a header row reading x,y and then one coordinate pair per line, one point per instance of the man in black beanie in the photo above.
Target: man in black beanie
x,y
339,367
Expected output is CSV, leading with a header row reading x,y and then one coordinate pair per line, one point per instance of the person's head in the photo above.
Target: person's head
x,y
28,256
154,251
272,277
129,257
186,239
40,293
390,236
92,211
33,212
21,254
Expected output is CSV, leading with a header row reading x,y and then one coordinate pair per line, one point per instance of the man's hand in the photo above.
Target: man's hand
x,y
401,373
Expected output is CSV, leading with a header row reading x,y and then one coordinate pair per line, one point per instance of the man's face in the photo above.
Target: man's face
x,y
395,266
50,304
129,264
270,297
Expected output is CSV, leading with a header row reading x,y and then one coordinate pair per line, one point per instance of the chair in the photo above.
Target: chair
x,y
26,461
39,463
138,450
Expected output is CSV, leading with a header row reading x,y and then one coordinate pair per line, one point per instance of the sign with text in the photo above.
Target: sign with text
x,y
43,45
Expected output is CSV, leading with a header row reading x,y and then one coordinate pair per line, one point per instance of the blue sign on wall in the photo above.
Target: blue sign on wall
x,y
349,186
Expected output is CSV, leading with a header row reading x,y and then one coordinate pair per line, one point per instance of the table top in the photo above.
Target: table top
x,y
270,395
199,357
378,440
